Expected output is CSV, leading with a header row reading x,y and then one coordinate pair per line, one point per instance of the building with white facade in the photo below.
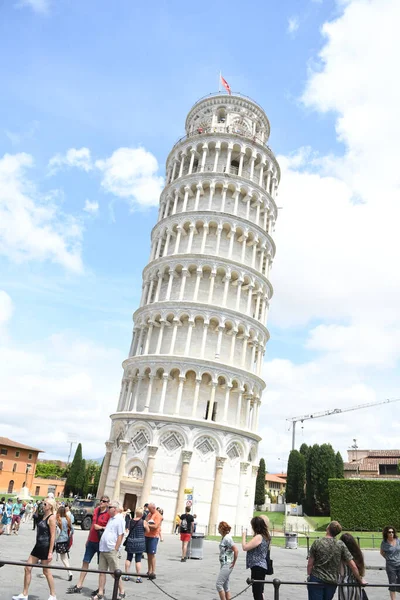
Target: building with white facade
x,y
187,415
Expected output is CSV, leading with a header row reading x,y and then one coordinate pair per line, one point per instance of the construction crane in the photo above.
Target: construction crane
x,y
333,411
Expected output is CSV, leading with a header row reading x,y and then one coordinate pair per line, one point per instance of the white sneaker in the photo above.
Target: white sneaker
x,y
52,598
20,597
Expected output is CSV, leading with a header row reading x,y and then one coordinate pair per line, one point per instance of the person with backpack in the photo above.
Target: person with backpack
x,y
63,534
186,530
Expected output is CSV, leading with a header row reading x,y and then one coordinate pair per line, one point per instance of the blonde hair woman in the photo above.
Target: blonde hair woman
x,y
43,550
135,543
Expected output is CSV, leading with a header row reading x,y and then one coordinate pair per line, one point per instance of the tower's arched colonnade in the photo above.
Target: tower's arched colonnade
x,y
188,410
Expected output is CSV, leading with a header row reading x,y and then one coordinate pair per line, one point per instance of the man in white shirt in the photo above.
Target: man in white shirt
x,y
110,543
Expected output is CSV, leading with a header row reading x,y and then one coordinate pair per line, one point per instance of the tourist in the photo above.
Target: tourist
x,y
177,524
64,529
99,522
110,542
43,550
38,514
194,523
390,550
28,512
186,530
145,510
7,516
256,557
324,563
127,516
347,576
16,515
228,553
135,543
152,536
161,511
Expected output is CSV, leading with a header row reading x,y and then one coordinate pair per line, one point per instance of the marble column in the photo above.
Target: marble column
x,y
148,478
104,470
121,469
180,508
242,500
216,493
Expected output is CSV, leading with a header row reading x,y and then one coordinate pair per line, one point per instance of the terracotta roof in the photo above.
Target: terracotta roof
x,y
380,453
275,478
11,444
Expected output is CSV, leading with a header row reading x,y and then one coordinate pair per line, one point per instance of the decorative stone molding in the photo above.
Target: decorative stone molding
x,y
186,456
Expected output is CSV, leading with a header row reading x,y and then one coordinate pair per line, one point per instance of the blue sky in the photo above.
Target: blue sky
x,y
85,85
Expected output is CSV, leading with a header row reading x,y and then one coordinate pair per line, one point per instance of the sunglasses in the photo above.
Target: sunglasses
x,y
104,500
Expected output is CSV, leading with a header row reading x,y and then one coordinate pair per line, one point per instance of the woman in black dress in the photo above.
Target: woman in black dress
x,y
43,550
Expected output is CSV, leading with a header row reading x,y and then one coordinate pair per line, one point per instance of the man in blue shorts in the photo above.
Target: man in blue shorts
x,y
154,519
100,520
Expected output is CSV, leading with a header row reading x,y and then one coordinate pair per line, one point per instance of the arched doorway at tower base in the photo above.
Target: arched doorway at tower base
x,y
130,501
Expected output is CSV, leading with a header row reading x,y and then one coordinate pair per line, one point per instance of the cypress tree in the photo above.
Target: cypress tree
x,y
80,485
339,466
311,478
295,477
259,498
325,470
74,470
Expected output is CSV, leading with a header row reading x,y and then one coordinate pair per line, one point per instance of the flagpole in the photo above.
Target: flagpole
x,y
219,82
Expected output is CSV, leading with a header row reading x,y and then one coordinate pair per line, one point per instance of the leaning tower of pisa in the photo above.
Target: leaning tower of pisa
x,y
186,422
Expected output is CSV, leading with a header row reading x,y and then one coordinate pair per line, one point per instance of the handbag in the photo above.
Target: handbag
x,y
270,564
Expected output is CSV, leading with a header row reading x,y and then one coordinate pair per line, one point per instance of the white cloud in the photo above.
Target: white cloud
x,y
32,227
336,272
72,380
293,24
131,173
17,137
91,207
38,6
74,157
6,308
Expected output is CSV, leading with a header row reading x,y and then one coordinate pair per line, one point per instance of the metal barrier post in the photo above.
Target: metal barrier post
x,y
117,577
276,583
358,540
308,546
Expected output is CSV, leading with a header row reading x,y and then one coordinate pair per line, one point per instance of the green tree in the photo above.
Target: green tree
x,y
304,449
325,469
74,471
311,478
259,498
97,478
80,485
49,470
339,466
295,477
92,473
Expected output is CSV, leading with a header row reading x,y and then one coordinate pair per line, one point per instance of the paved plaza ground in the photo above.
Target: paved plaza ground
x,y
193,579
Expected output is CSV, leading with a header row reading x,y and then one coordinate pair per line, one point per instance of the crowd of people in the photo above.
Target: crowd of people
x,y
331,560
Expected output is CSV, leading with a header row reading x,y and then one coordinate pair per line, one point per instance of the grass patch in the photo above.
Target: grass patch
x,y
318,523
276,519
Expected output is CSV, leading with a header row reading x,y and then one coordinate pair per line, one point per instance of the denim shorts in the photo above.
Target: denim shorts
x,y
151,545
393,573
91,549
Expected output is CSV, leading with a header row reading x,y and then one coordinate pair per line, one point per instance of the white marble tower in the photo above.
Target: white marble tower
x,y
187,415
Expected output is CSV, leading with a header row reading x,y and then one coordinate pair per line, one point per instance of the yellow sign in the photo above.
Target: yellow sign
x,y
188,491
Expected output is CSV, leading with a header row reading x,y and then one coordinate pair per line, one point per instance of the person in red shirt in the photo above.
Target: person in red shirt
x,y
100,519
154,520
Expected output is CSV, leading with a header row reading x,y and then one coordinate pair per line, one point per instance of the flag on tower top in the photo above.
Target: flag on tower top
x,y
226,85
